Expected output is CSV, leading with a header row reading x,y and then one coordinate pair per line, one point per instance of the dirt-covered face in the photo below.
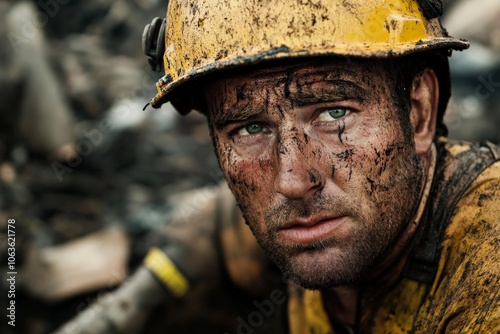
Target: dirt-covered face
x,y
318,160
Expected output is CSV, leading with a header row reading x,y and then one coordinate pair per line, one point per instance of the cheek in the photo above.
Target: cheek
x,y
365,161
387,178
248,178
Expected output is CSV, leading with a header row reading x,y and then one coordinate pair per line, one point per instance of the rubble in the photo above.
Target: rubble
x,y
66,189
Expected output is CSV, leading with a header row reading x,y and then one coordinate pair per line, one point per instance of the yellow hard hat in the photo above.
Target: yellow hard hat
x,y
207,36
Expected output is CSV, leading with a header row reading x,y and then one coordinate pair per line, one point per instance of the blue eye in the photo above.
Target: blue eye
x,y
252,129
333,114
337,113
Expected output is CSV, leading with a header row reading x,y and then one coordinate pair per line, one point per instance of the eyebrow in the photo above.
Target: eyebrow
x,y
238,113
335,90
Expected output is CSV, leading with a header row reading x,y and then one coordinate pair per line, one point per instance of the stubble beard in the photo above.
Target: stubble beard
x,y
335,261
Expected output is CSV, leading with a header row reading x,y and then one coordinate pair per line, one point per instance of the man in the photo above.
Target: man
x,y
327,120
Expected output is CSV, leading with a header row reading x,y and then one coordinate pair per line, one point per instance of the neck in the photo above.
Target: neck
x,y
342,301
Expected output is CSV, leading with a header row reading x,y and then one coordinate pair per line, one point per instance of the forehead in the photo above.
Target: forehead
x,y
366,73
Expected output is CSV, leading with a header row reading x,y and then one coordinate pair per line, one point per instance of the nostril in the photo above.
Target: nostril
x,y
312,178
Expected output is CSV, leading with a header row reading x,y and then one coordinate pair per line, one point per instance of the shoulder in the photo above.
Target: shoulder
x,y
467,284
469,187
476,217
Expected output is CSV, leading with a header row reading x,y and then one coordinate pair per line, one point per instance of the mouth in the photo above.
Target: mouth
x,y
310,230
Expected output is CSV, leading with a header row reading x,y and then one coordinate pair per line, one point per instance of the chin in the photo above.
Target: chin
x,y
320,268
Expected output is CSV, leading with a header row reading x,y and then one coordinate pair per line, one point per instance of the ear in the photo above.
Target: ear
x,y
424,106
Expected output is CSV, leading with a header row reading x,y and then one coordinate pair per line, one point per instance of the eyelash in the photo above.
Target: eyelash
x,y
344,109
236,131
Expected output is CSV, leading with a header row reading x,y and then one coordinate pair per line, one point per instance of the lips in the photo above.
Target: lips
x,y
310,230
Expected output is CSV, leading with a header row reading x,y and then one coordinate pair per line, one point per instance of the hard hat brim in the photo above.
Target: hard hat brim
x,y
168,90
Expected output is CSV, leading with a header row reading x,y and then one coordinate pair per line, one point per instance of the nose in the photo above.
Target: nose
x,y
296,178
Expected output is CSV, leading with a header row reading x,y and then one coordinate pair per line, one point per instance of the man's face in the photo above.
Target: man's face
x,y
319,163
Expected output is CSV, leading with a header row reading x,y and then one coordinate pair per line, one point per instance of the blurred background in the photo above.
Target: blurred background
x,y
87,173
